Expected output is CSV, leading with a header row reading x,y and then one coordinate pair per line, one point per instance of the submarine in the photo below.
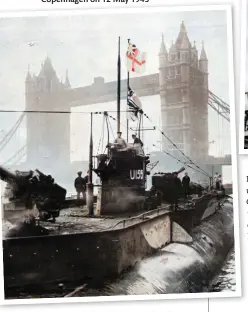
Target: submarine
x,y
152,254
125,232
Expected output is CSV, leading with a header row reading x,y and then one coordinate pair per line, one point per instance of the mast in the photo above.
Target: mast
x,y
128,41
118,87
90,203
91,149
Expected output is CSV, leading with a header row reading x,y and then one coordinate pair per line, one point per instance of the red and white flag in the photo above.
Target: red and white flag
x,y
135,59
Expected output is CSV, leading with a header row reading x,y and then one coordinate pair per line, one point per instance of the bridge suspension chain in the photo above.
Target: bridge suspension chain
x,y
12,131
18,153
18,159
223,108
182,162
163,134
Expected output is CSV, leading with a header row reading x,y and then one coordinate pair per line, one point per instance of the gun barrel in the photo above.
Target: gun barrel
x,y
7,176
180,170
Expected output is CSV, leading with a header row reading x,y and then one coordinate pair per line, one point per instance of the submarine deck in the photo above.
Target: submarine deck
x,y
75,219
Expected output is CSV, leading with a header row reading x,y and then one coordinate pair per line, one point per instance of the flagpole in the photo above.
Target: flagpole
x,y
90,193
118,87
128,41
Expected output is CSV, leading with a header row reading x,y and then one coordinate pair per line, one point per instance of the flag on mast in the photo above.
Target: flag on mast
x,y
134,105
135,59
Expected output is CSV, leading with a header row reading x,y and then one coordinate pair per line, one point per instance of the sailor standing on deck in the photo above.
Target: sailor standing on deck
x,y
119,142
220,181
86,178
138,144
216,181
176,184
185,183
80,186
246,119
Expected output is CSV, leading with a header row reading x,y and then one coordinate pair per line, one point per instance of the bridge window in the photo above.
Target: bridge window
x,y
178,79
173,72
175,116
173,57
185,56
176,136
173,97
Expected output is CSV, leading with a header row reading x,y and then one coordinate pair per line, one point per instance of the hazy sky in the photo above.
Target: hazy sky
x,y
87,47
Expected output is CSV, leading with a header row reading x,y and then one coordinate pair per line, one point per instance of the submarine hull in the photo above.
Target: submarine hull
x,y
98,256
181,268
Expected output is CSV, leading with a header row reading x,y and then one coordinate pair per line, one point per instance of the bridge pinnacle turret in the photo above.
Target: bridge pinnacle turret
x,y
29,81
67,82
47,79
28,76
163,54
203,61
163,50
182,42
48,68
172,47
194,55
203,56
182,27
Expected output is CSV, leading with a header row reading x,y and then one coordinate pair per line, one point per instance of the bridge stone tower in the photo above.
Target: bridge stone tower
x,y
183,79
48,134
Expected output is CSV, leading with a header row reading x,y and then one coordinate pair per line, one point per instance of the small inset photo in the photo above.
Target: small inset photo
x,y
246,122
243,121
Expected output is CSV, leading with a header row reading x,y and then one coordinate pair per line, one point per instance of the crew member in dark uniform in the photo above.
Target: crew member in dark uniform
x,y
137,140
86,178
177,185
246,119
103,169
80,186
138,144
119,142
185,183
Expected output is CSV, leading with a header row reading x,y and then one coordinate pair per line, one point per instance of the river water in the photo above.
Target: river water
x,y
226,279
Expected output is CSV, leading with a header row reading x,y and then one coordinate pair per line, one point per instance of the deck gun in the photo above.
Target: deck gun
x,y
164,184
34,188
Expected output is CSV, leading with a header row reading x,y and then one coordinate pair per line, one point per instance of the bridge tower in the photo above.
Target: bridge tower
x,y
48,134
183,79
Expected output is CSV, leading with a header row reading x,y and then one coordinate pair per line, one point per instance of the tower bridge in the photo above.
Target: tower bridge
x,y
181,83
